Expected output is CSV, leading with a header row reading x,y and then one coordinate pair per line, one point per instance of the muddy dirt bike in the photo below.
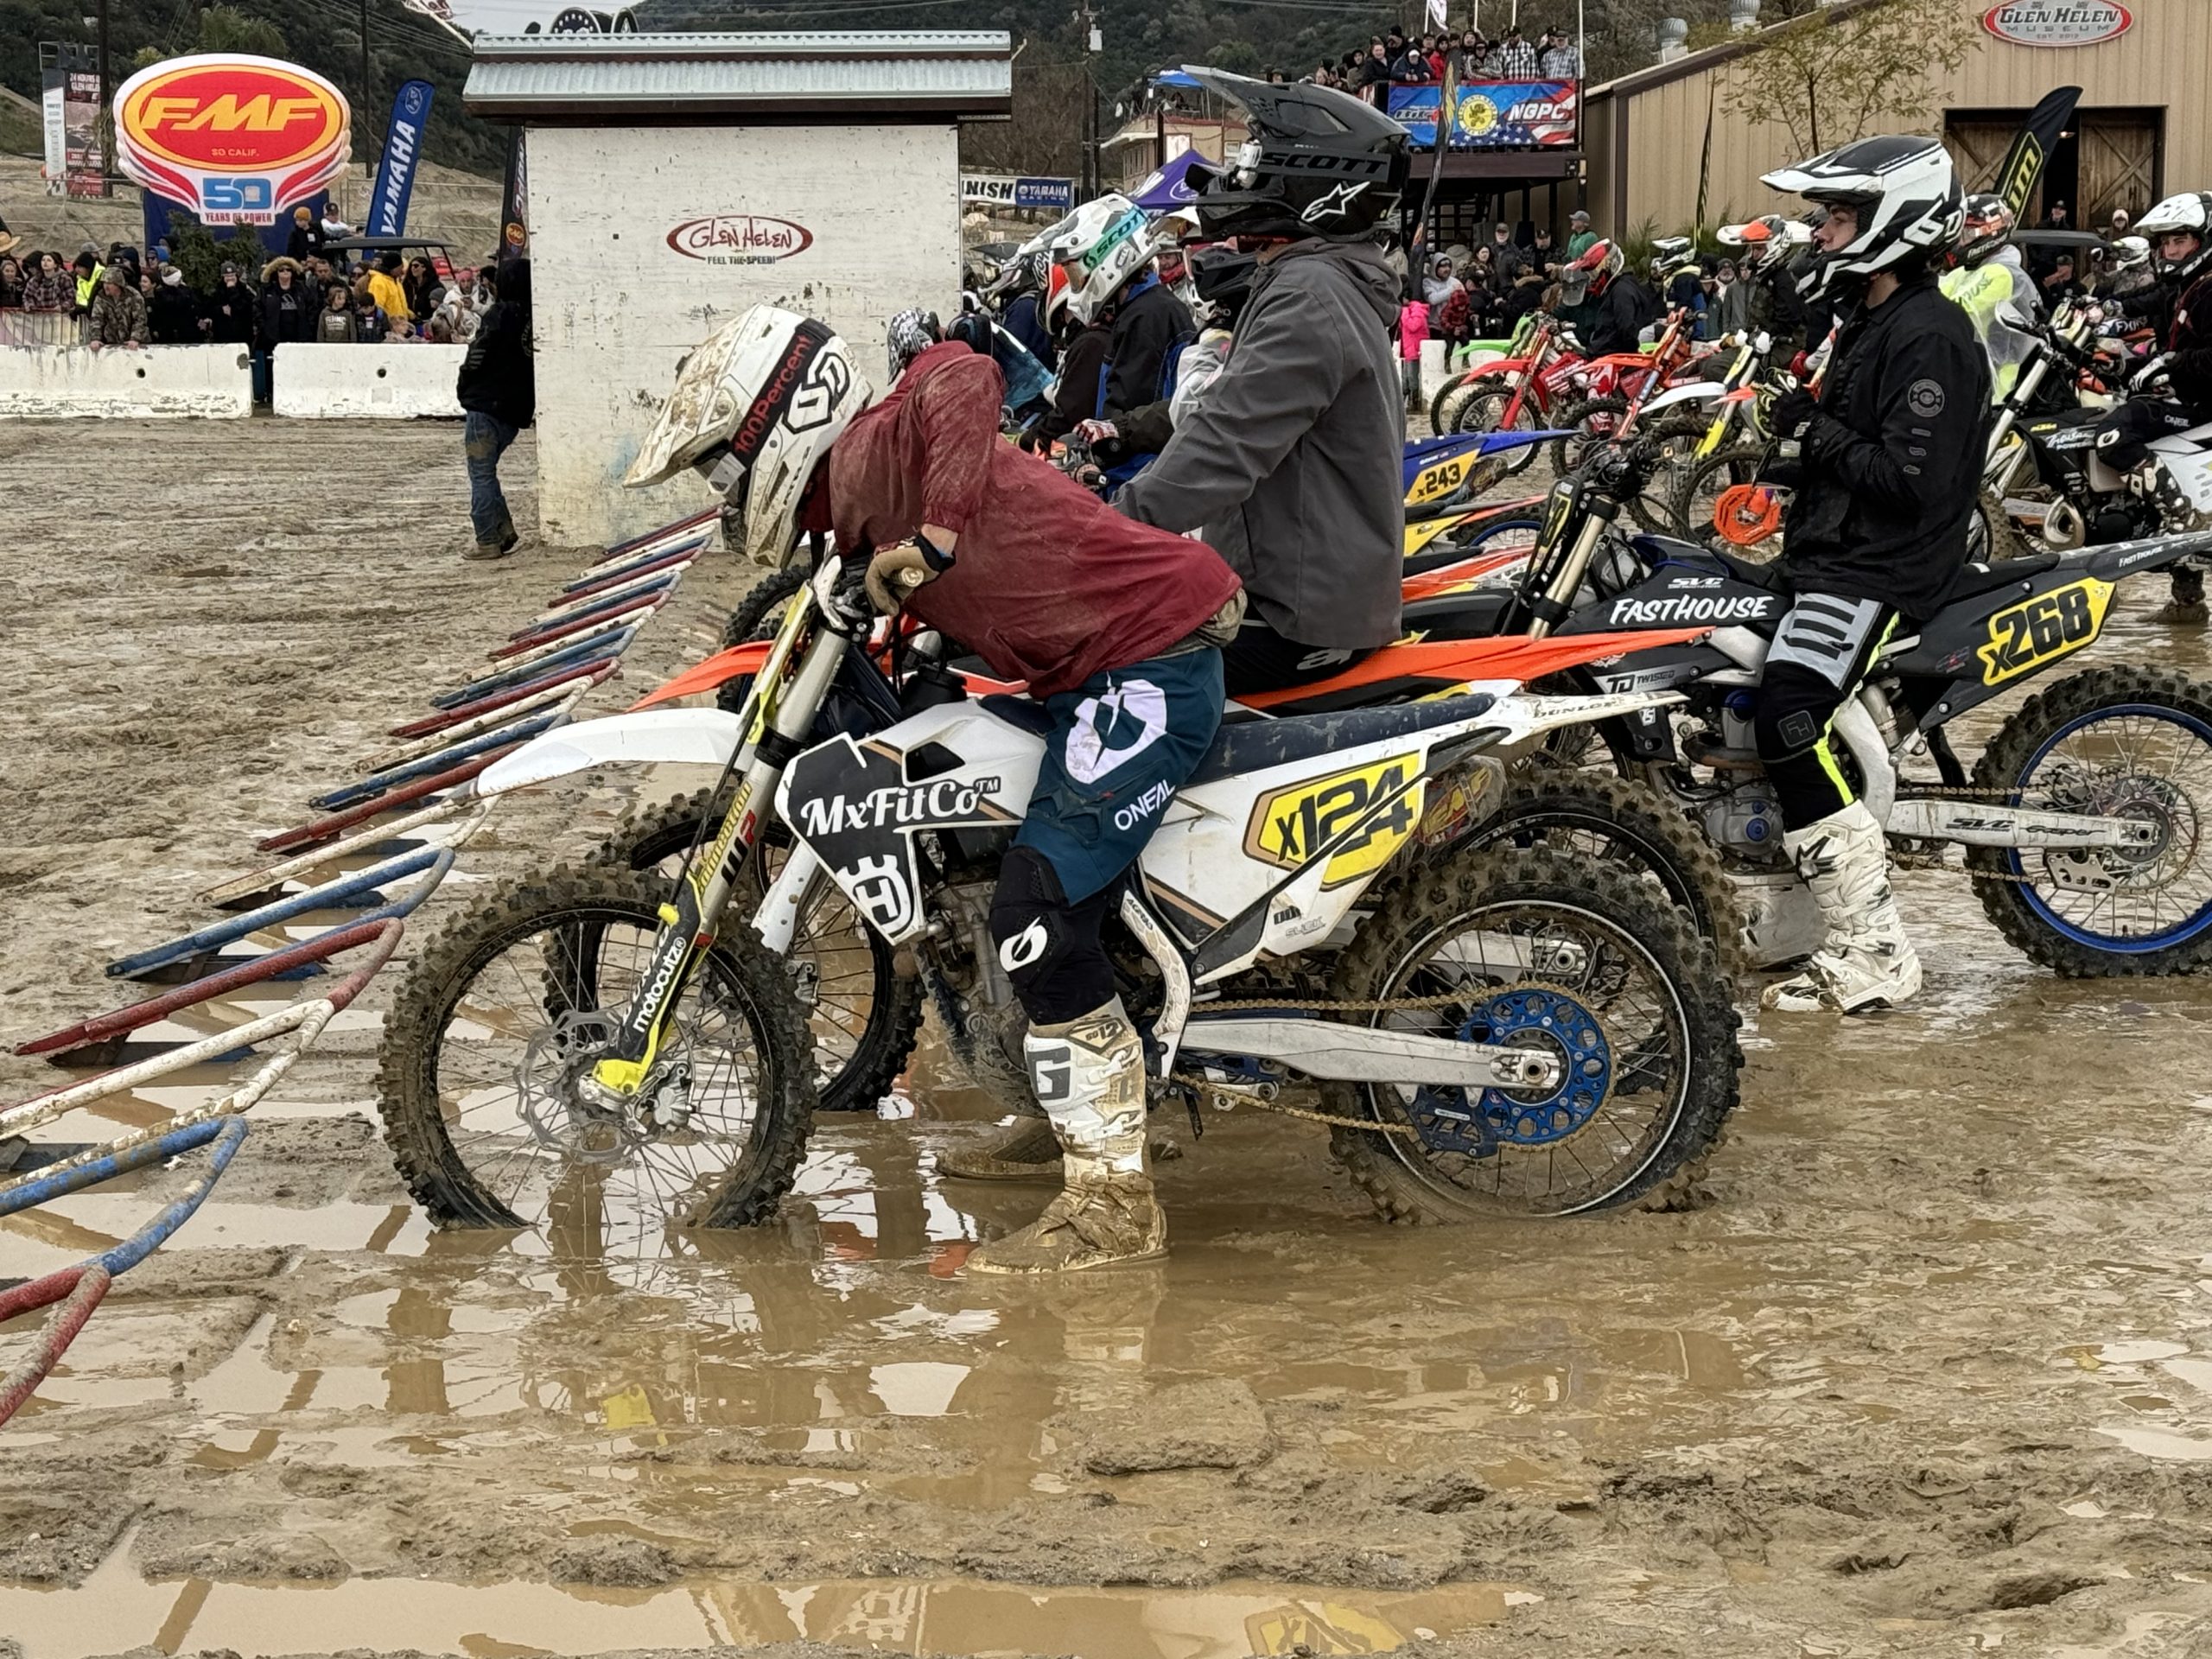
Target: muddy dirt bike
x,y
2087,821
1524,1034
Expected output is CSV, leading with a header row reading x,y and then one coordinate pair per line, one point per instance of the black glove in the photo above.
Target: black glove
x,y
1793,412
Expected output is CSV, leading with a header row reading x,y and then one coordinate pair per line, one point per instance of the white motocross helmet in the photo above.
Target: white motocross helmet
x,y
756,406
2187,215
1106,242
1906,194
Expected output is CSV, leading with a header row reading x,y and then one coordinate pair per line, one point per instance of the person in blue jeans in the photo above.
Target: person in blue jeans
x,y
498,389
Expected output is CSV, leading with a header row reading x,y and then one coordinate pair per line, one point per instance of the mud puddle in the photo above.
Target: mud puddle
x,y
115,1609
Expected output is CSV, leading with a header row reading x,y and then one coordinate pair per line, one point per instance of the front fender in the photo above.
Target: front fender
x,y
699,737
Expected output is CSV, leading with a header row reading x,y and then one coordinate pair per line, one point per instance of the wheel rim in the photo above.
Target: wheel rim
x,y
592,1183
1616,982
2156,765
1590,835
836,962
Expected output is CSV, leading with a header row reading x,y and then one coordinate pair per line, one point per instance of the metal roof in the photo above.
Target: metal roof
x,y
586,78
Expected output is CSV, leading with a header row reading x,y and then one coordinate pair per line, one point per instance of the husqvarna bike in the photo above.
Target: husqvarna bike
x,y
606,1054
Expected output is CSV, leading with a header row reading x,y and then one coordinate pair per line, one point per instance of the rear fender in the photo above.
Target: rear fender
x,y
1697,391
1527,714
698,737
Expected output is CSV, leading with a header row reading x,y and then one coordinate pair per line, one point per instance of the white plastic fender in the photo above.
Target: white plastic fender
x,y
1697,391
698,737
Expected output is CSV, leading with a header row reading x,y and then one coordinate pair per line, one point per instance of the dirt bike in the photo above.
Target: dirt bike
x,y
1616,388
2087,821
594,1052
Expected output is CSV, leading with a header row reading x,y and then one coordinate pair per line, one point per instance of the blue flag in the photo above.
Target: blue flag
x,y
403,148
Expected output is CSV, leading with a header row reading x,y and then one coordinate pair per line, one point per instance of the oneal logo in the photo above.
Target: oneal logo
x,y
1689,608
1144,806
895,804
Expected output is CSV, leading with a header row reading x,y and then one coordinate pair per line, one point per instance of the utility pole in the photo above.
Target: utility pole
x,y
104,127
367,114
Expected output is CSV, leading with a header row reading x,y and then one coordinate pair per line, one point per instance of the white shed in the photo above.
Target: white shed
x,y
674,180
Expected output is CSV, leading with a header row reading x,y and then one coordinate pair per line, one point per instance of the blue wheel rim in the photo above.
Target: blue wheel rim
x,y
2135,944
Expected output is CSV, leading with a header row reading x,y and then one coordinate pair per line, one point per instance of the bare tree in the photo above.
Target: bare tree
x,y
1826,79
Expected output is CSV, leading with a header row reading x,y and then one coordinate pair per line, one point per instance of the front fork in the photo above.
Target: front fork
x,y
688,921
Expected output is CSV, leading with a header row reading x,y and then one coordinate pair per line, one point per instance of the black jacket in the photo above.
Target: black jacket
x,y
1150,329
233,311
173,315
1621,313
1779,308
1075,395
1891,465
286,314
2183,318
497,378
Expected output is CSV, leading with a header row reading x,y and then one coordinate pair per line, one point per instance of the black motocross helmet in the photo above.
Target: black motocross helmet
x,y
1317,163
1222,278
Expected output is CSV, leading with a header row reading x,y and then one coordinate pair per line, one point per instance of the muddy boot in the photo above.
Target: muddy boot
x,y
1027,1152
2186,607
1865,962
1090,1074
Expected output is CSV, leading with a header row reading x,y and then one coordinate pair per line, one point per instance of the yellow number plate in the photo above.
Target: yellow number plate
x,y
1439,479
2023,637
1289,825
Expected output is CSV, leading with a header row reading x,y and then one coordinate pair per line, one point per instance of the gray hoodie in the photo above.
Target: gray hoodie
x,y
1293,462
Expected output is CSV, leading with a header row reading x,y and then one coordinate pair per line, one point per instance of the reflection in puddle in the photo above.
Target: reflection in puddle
x,y
115,1609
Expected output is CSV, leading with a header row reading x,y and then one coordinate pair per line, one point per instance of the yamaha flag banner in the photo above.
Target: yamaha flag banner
x,y
2031,147
1491,114
402,148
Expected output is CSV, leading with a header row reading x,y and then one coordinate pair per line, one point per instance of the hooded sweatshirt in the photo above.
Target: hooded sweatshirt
x,y
1048,584
1292,461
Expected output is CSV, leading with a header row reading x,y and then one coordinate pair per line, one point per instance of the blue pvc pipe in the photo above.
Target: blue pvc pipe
x,y
594,650
467,749
237,927
230,1132
44,1188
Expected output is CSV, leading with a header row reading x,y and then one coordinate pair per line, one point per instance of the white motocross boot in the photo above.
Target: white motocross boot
x,y
1865,962
1088,1074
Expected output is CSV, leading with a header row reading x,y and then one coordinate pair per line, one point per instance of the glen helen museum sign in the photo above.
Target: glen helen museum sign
x,y
2059,22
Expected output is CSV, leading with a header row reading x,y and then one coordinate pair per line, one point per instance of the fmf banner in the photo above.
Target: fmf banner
x,y
1492,114
237,139
526,16
403,148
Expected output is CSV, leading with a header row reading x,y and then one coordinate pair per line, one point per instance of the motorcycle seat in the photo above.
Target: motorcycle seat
x,y
1252,744
1977,579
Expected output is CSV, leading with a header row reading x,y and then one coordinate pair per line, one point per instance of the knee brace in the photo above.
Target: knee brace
x,y
1049,948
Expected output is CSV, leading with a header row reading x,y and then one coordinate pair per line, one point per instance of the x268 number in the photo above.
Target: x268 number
x,y
2025,636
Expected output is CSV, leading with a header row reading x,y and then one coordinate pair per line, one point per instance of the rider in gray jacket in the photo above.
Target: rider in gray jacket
x,y
1291,464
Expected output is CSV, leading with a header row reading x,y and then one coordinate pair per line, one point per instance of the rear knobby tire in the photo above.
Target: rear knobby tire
x,y
2006,761
853,1083
1639,831
407,1083
1421,902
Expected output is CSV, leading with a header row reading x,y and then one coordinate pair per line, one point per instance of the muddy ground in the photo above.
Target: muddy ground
x,y
1928,1371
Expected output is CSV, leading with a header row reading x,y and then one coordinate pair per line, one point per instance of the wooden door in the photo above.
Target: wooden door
x,y
2120,164
1978,147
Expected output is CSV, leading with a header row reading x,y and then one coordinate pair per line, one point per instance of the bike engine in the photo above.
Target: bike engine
x,y
1746,820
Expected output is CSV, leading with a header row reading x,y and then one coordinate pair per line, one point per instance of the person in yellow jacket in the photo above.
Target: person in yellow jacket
x,y
89,271
385,288
1986,275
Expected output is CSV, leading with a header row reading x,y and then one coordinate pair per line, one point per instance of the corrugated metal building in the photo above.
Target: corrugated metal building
x,y
2140,132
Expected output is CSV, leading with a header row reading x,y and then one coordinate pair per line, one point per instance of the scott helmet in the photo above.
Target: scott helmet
x,y
1905,194
756,407
1106,243
1318,163
2188,214
1670,254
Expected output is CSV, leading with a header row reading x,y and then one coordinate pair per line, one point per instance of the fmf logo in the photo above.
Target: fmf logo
x,y
1288,826
232,115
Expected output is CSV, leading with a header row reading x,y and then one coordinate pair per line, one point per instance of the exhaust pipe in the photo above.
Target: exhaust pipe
x,y
2062,527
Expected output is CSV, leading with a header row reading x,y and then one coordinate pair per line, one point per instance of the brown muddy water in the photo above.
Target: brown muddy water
x,y
1928,1369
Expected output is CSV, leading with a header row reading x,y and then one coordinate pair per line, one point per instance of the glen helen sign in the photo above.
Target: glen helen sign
x,y
739,239
2059,22
236,139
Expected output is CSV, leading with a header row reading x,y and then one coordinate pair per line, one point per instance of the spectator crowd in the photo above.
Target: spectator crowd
x,y
1397,60
316,290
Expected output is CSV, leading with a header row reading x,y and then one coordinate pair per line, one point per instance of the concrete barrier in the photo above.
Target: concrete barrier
x,y
44,382
388,382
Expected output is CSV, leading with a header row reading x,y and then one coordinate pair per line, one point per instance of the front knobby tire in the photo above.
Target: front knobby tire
x,y
863,1034
1656,989
2153,759
471,1002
